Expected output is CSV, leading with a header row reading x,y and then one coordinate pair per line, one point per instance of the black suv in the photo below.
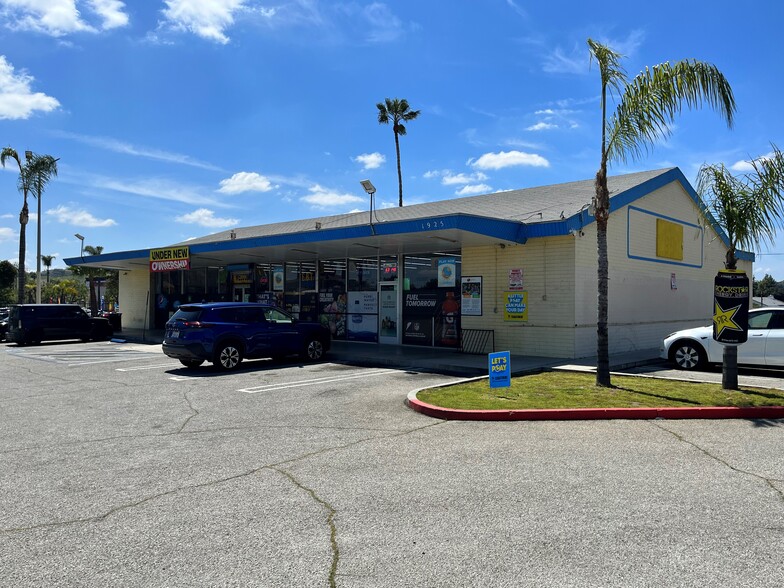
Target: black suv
x,y
226,332
33,323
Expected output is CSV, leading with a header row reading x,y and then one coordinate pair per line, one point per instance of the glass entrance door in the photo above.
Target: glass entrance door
x,y
241,293
388,316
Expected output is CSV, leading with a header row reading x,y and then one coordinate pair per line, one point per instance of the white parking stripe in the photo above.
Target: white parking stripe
x,y
313,381
147,367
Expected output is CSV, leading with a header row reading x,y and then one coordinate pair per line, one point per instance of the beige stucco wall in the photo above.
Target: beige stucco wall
x,y
643,307
134,305
548,277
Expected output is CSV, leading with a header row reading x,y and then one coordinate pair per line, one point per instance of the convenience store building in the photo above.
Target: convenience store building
x,y
520,265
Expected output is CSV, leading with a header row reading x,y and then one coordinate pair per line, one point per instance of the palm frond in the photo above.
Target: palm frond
x,y
750,208
650,102
612,73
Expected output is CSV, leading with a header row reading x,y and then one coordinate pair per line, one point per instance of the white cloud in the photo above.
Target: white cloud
x,y
744,166
206,218
7,234
208,19
155,188
62,17
245,182
450,179
78,218
508,159
17,100
111,11
321,197
576,62
474,189
118,146
384,26
542,126
370,160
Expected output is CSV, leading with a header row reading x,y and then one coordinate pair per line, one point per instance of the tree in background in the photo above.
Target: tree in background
x,y
34,174
7,278
764,287
646,108
750,209
47,261
91,273
398,111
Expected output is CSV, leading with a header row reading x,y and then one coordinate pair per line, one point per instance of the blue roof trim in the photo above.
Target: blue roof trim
x,y
504,230
118,256
580,220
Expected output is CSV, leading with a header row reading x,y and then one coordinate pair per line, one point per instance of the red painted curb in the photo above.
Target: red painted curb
x,y
572,414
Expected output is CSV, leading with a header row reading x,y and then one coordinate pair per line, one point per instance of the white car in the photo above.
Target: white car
x,y
693,349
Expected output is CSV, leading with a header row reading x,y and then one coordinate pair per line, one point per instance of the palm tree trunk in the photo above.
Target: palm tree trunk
x,y
602,332
93,299
399,173
23,218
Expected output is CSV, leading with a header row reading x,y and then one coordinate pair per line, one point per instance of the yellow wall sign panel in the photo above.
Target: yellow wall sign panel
x,y
669,239
516,306
169,259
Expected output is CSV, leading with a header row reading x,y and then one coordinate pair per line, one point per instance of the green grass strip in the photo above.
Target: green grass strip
x,y
578,390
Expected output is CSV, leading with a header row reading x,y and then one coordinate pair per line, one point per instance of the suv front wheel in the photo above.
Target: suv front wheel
x,y
228,356
314,350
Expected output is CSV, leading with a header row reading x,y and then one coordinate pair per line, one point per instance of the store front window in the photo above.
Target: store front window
x,y
431,301
332,299
362,321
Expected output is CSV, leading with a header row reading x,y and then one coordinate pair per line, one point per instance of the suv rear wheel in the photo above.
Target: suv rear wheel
x,y
228,356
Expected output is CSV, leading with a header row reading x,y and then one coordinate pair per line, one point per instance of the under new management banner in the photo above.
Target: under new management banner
x,y
169,259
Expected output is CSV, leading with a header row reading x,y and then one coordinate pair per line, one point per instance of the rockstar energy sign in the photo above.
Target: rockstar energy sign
x,y
731,307
169,259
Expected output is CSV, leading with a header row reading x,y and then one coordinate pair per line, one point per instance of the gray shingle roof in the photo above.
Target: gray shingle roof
x,y
520,205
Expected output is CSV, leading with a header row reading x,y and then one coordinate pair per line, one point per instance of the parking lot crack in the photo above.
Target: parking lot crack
x,y
330,520
194,412
770,482
274,466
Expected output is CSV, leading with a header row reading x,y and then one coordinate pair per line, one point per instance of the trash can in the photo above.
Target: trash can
x,y
115,319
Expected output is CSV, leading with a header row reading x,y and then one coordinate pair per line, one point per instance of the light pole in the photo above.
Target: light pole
x,y
81,251
370,189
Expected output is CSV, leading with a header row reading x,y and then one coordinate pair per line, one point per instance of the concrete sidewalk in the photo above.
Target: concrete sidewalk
x,y
437,359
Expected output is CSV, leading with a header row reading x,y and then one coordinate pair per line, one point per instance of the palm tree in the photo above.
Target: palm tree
x,y
34,174
750,209
47,261
24,214
41,168
398,111
646,108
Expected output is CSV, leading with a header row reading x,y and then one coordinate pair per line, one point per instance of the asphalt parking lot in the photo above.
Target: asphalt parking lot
x,y
118,467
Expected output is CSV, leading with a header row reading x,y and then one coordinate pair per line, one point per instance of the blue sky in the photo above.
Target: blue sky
x,y
177,118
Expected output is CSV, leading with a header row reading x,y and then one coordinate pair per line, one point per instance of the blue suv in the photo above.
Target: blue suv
x,y
225,333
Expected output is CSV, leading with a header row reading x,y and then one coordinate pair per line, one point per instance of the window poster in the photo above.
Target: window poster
x,y
446,272
471,296
277,278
